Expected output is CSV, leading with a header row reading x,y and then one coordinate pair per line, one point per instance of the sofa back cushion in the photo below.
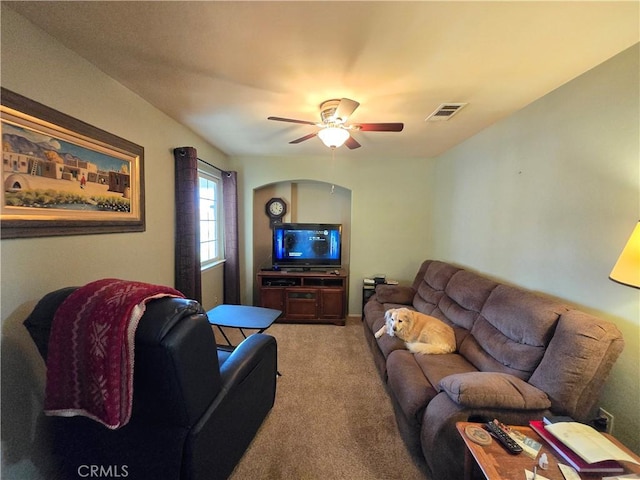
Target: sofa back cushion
x,y
429,285
577,363
512,331
466,293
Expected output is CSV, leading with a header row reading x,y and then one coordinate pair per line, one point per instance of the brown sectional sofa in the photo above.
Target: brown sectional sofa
x,y
520,356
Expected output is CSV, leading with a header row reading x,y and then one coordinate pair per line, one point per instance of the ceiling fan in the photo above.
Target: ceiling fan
x,y
333,129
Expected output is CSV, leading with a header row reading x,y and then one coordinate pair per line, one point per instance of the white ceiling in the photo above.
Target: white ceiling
x,y
223,67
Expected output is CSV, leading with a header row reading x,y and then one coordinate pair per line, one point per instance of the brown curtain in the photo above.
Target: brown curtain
x,y
187,253
231,250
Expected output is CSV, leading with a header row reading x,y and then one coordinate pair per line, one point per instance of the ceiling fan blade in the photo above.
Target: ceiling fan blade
x,y
345,108
380,127
302,139
352,143
291,120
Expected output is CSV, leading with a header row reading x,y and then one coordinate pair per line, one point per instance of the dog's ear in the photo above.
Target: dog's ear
x,y
387,314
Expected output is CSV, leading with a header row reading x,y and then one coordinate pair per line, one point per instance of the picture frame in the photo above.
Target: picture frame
x,y
62,176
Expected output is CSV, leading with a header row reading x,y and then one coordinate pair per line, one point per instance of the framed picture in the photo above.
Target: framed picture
x,y
62,176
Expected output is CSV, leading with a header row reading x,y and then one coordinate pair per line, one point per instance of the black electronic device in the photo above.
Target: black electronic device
x,y
307,245
274,268
495,429
281,283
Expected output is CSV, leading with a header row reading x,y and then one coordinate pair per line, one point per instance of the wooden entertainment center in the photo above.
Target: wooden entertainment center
x,y
305,296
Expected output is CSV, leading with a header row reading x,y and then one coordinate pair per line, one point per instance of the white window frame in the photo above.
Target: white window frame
x,y
218,240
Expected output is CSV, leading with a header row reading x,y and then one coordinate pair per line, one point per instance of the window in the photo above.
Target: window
x,y
210,219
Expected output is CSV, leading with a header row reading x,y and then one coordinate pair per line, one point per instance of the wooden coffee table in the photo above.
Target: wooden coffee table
x,y
496,463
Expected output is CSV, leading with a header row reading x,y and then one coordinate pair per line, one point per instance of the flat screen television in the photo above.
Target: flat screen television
x,y
307,245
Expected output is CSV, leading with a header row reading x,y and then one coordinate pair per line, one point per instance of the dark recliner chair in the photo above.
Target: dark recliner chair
x,y
196,407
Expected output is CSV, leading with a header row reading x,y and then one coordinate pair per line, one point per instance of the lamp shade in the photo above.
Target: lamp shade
x,y
333,137
627,268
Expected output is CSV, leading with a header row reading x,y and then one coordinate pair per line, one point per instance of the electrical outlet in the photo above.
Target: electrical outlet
x,y
602,413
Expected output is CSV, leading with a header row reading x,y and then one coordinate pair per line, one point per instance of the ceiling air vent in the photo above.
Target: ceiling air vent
x,y
444,112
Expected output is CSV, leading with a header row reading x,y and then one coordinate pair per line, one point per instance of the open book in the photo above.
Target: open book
x,y
572,458
588,443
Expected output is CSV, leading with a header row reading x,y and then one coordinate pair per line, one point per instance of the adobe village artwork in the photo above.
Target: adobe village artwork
x,y
40,171
61,176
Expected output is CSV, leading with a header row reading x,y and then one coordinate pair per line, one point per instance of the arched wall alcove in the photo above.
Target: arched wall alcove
x,y
308,201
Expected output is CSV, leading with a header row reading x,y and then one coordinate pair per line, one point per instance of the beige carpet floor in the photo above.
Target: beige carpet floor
x,y
332,417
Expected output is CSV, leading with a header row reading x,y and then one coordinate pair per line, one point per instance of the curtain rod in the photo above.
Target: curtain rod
x,y
213,166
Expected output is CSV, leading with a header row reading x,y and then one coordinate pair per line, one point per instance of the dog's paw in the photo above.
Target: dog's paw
x,y
379,333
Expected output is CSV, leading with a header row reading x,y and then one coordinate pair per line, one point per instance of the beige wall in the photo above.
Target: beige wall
x,y
547,199
38,67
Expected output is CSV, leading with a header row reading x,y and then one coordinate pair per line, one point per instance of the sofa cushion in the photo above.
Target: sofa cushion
x,y
437,367
388,344
512,332
394,294
493,390
408,384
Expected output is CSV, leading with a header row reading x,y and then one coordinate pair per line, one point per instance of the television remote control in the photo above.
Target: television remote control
x,y
503,437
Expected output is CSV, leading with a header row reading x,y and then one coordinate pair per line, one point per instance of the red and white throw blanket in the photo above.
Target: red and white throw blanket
x,y
90,361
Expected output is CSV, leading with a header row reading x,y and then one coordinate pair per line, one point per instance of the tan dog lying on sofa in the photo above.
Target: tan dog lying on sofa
x,y
421,333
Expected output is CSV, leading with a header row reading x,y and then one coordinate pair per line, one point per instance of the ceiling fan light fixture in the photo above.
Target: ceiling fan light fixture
x,y
333,130
333,137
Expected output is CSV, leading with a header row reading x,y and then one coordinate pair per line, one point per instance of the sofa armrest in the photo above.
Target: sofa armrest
x,y
218,440
493,390
243,360
395,294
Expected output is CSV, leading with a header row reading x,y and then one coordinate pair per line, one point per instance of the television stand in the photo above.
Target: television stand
x,y
305,296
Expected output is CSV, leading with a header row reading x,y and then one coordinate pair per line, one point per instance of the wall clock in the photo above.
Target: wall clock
x,y
276,208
